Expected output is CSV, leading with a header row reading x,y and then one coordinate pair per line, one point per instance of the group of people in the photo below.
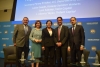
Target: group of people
x,y
54,42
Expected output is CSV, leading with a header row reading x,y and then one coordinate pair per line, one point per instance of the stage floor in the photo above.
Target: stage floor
x,y
69,65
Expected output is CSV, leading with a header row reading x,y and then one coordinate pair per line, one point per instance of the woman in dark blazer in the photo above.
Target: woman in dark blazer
x,y
48,43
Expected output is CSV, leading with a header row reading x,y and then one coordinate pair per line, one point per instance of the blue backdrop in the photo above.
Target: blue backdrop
x,y
91,27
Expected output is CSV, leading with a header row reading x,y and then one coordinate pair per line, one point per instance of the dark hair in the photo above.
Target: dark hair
x,y
60,18
73,17
49,21
39,22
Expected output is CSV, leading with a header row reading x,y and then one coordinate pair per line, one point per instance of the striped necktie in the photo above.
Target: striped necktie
x,y
73,30
25,28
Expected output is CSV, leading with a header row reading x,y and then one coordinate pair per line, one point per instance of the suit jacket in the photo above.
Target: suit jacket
x,y
47,40
78,38
19,36
63,36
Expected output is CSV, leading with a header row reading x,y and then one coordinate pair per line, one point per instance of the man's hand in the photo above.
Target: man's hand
x,y
14,44
68,48
81,48
43,48
58,44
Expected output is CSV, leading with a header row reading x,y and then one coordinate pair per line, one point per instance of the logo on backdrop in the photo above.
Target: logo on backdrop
x,y
5,38
93,39
7,26
93,48
55,24
66,24
15,25
1,51
79,23
12,32
92,31
43,24
4,45
6,32
33,25
92,23
69,24
10,45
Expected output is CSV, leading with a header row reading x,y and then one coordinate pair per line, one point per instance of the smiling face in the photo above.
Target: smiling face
x,y
59,21
48,24
25,20
73,20
38,24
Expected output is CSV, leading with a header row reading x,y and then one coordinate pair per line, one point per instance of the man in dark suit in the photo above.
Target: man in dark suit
x,y
21,39
76,41
61,40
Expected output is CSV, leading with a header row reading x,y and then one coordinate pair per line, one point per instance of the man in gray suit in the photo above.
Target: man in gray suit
x,y
21,39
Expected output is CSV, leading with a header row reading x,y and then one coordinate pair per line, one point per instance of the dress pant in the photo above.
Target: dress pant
x,y
61,53
76,54
19,51
49,55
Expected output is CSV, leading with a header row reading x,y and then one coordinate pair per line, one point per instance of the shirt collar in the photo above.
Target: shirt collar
x,y
75,25
25,25
60,26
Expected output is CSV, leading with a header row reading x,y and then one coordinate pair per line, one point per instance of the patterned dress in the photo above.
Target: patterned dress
x,y
36,47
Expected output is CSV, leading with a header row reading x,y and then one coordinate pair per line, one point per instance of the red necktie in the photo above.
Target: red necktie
x,y
58,34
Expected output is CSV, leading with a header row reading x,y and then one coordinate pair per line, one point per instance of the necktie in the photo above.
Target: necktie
x,y
25,28
73,30
58,33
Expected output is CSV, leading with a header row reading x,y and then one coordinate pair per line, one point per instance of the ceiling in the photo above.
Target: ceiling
x,y
6,4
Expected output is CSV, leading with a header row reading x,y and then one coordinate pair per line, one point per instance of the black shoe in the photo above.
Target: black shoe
x,y
73,63
79,64
51,66
23,65
59,66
